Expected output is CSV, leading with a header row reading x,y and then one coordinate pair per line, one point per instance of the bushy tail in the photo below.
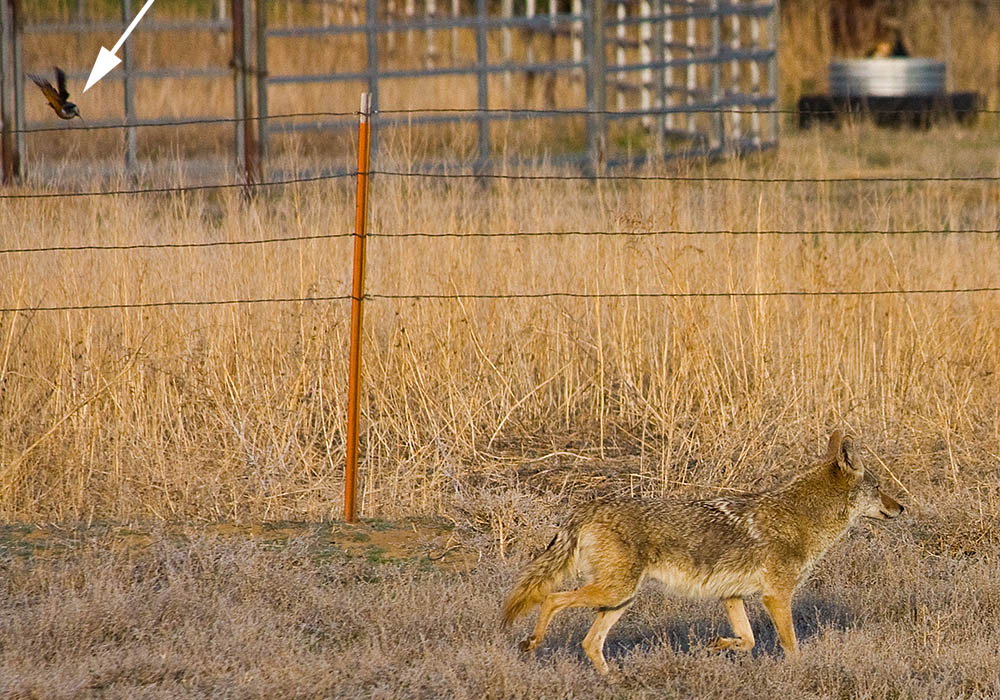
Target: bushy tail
x,y
543,574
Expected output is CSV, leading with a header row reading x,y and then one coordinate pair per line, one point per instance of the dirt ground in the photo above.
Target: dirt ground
x,y
427,542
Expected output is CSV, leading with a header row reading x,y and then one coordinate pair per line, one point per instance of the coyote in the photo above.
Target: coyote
x,y
726,548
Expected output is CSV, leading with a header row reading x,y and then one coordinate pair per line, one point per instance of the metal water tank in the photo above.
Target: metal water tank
x,y
887,77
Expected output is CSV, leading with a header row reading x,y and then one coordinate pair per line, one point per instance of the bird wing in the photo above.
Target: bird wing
x,y
61,82
50,92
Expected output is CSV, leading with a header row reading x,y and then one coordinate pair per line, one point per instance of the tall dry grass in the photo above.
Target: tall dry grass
x,y
236,411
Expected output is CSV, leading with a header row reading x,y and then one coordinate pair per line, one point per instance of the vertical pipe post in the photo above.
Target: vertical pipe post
x,y
250,170
357,297
596,84
482,88
659,81
128,93
577,30
239,97
717,137
430,36
735,72
262,123
755,78
371,43
456,12
506,40
530,9
621,38
646,57
772,70
667,9
692,77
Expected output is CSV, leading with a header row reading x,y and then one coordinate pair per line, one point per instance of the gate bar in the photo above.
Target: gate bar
x,y
357,297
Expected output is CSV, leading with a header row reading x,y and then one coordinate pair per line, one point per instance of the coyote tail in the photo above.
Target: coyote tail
x,y
544,573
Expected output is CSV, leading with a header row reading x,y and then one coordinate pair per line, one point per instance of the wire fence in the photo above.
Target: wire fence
x,y
495,234
957,180
443,110
618,177
460,296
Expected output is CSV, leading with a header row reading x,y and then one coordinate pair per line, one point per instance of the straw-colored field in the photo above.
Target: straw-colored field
x,y
165,441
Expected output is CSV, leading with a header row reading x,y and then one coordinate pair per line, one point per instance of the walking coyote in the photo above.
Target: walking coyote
x,y
726,548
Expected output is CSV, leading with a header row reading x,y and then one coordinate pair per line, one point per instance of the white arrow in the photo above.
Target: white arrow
x,y
106,60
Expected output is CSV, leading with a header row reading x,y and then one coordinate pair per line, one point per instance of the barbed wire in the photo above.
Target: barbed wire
x,y
679,109
687,232
489,234
168,304
506,296
500,176
695,178
493,111
178,122
179,189
686,295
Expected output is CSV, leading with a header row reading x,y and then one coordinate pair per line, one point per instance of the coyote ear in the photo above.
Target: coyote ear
x,y
833,449
842,449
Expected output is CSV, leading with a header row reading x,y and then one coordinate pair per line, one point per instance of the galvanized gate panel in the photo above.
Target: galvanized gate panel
x,y
496,83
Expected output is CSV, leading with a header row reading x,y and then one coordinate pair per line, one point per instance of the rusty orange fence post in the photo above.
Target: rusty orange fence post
x,y
357,298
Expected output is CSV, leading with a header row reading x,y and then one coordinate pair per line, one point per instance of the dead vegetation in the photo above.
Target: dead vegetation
x,y
216,615
491,416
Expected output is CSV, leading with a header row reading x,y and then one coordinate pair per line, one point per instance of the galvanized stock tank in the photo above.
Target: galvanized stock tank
x,y
887,77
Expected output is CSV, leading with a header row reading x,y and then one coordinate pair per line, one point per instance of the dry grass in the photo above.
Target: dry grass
x,y
882,617
495,414
236,412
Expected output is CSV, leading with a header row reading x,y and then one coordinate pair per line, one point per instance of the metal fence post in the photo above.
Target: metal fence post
x,y
371,44
250,173
357,300
482,89
128,92
239,97
659,124
772,69
262,123
717,134
596,83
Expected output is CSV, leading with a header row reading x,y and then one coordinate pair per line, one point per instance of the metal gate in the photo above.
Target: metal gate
x,y
600,84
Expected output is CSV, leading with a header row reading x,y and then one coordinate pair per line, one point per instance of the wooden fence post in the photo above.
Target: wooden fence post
x,y
10,139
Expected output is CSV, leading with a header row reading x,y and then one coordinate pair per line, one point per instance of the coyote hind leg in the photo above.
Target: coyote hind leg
x,y
609,599
743,641
593,643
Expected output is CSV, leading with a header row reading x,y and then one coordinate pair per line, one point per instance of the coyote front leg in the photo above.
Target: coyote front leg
x,y
779,607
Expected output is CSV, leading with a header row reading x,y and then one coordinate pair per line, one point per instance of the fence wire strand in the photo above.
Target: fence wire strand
x,y
180,189
494,176
503,297
488,234
680,109
695,178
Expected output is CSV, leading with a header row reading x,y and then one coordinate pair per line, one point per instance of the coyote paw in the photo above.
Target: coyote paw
x,y
731,643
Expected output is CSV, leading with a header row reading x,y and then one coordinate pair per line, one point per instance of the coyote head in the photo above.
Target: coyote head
x,y
864,498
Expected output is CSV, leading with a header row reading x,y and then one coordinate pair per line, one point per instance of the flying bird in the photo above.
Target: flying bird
x,y
58,99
